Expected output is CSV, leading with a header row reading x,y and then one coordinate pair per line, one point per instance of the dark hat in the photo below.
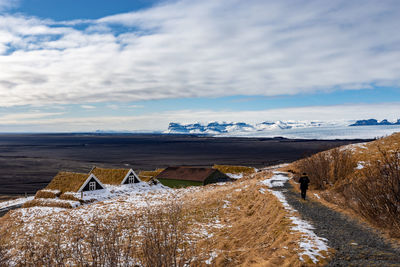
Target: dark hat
x,y
304,173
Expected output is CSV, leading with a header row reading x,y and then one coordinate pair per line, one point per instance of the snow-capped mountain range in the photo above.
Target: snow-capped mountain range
x,y
367,129
215,128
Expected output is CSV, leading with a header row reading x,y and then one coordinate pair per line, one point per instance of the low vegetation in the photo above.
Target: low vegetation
x,y
364,178
327,169
234,169
115,241
47,203
377,191
47,194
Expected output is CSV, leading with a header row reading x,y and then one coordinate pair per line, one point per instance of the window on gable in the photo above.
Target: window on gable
x,y
92,186
131,179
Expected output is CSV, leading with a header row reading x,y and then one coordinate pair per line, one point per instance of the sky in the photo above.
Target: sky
x,y
88,65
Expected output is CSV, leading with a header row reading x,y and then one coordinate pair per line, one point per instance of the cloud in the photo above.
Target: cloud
x,y
25,118
113,106
136,106
87,107
6,4
201,49
159,121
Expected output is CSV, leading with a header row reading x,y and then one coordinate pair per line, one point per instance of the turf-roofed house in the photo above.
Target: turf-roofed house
x,y
67,183
75,182
190,176
115,176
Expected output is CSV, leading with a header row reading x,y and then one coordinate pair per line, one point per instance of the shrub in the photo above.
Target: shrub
x,y
377,191
326,168
317,169
163,241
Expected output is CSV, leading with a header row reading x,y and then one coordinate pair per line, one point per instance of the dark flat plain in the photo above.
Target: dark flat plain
x,y
29,161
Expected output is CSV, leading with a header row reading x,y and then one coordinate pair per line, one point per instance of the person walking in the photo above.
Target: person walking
x,y
304,181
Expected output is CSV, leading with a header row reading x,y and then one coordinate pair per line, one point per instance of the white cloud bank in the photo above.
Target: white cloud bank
x,y
201,49
52,122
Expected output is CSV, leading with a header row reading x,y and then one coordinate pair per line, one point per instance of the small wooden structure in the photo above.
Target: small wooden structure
x,y
189,176
115,176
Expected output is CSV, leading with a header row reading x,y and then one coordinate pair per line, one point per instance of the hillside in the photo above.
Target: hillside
x,y
234,224
361,179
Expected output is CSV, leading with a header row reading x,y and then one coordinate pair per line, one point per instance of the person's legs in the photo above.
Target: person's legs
x,y
303,193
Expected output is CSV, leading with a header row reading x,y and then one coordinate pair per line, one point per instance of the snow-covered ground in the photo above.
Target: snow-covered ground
x,y
14,202
310,244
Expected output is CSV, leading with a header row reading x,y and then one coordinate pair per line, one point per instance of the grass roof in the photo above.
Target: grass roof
x,y
186,173
67,181
110,176
146,176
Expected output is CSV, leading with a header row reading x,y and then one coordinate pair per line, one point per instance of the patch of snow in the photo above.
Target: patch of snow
x,y
235,176
14,202
213,255
278,180
360,165
226,204
310,243
51,191
353,147
274,167
317,196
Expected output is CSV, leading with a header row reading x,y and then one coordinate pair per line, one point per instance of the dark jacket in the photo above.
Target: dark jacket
x,y
304,181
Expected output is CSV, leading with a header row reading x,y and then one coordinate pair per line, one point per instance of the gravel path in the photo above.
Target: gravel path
x,y
355,244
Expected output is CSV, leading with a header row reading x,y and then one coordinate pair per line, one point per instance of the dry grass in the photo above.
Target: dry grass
x,y
108,241
256,229
46,203
67,181
47,194
234,169
69,196
110,176
146,176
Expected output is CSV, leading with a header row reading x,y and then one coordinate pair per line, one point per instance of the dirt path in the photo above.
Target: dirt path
x,y
355,245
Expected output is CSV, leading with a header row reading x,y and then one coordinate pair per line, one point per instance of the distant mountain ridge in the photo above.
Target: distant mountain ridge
x,y
374,122
229,127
